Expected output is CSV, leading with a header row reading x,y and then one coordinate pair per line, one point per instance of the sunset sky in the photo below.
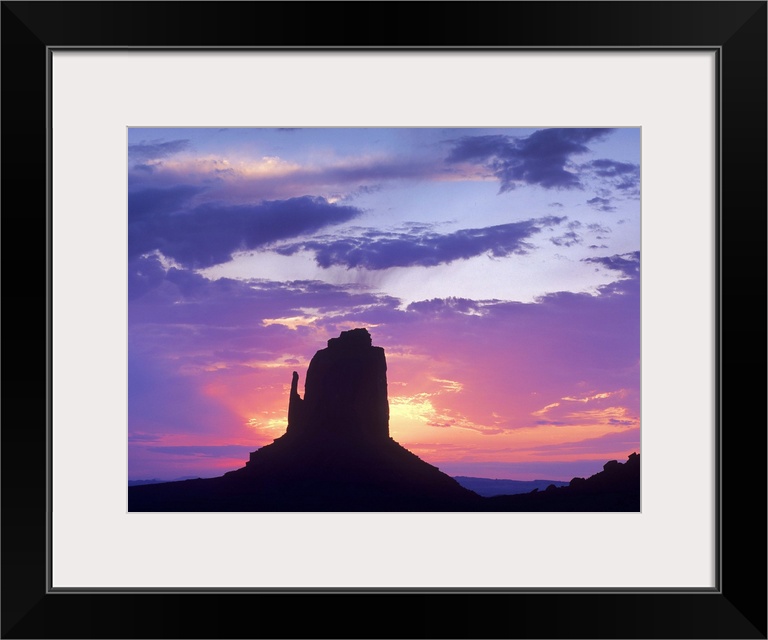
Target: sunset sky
x,y
498,268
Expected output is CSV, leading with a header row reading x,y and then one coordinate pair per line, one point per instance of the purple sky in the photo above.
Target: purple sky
x,y
499,269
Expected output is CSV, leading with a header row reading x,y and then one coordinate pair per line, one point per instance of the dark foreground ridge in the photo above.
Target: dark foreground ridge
x,y
615,488
337,455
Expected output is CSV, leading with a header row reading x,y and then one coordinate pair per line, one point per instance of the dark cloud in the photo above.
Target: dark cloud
x,y
630,187
155,150
626,263
540,159
623,176
144,274
211,233
568,239
480,148
601,204
162,200
375,250
190,283
610,168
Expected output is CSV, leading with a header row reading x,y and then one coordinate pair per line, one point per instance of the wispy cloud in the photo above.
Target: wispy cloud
x,y
626,263
601,204
623,176
156,149
379,250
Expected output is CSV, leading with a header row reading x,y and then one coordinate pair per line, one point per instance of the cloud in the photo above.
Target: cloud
x,y
542,158
242,179
211,233
362,190
623,176
568,239
164,200
442,306
376,250
626,263
197,308
144,274
610,168
601,204
155,150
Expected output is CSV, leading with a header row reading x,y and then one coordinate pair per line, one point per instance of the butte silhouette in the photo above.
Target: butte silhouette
x,y
336,454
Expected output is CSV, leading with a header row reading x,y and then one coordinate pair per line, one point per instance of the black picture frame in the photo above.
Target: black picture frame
x,y
736,608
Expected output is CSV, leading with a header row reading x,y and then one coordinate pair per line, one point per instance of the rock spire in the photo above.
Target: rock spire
x,y
345,392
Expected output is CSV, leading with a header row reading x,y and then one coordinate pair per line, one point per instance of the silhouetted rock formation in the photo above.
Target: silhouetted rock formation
x,y
615,488
345,393
336,454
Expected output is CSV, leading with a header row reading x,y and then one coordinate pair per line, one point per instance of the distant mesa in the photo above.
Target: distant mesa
x,y
337,455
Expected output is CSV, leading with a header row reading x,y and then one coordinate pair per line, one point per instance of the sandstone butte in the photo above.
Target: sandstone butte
x,y
337,455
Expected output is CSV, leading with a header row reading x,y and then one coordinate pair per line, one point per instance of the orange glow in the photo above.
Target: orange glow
x,y
291,323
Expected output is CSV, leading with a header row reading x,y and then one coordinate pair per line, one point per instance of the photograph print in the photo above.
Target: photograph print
x,y
384,319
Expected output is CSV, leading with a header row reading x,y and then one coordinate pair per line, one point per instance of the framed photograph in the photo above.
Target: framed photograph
x,y
499,266
532,226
